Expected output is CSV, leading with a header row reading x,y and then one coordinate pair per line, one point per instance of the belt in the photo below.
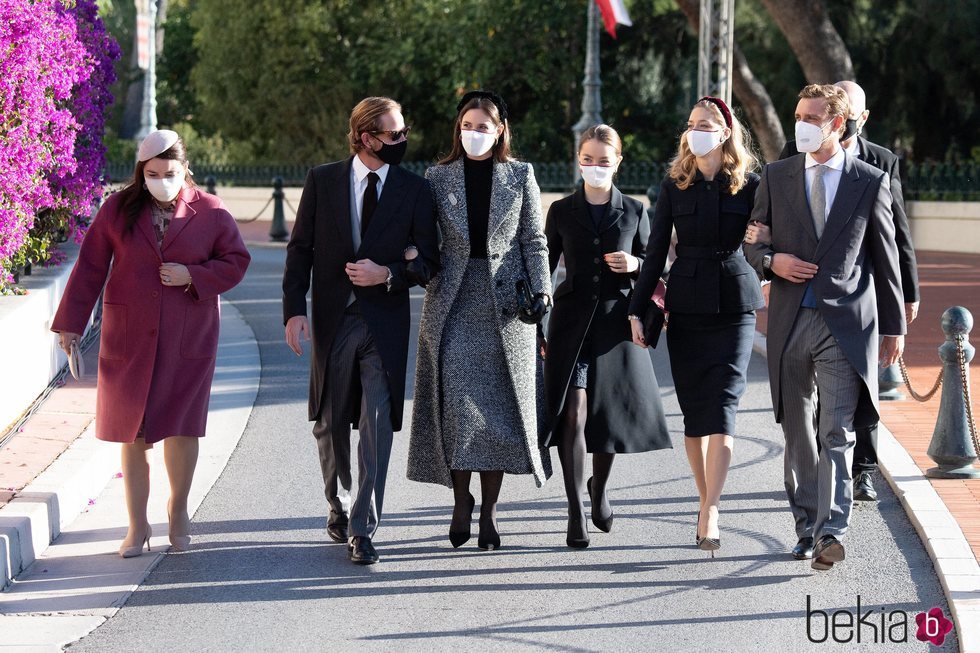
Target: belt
x,y
694,251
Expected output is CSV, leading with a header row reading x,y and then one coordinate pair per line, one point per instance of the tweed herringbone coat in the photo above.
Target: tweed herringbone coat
x,y
516,248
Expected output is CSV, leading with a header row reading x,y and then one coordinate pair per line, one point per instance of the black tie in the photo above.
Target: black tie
x,y
370,201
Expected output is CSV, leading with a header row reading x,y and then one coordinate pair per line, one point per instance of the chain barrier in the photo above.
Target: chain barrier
x,y
257,215
961,356
908,383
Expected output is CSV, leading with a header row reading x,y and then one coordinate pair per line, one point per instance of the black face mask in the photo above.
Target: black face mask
x,y
392,154
850,129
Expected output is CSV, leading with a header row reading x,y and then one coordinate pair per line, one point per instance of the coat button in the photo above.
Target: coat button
x,y
595,242
153,332
596,278
156,293
595,297
595,260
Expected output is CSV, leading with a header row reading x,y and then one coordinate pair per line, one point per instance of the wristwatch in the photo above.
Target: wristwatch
x,y
388,280
767,266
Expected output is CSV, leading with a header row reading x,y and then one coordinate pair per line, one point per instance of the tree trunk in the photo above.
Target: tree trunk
x,y
750,92
813,38
133,108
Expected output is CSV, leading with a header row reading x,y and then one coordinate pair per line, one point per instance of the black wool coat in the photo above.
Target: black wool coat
x,y
625,414
320,247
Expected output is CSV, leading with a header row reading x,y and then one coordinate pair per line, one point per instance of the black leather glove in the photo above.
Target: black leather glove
x,y
536,312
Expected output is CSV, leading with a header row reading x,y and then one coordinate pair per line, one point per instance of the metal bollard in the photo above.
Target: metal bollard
x,y
210,182
952,441
278,231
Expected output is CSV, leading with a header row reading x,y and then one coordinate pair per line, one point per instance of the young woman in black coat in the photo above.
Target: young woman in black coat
x,y
602,392
712,293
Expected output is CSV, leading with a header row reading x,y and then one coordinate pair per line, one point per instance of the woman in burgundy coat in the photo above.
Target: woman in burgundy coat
x,y
168,250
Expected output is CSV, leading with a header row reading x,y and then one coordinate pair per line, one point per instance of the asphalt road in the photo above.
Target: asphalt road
x,y
264,577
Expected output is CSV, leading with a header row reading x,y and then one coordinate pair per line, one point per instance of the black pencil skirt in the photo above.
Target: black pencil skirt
x,y
709,359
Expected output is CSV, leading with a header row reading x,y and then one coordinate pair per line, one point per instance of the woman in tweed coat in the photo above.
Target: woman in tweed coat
x,y
477,394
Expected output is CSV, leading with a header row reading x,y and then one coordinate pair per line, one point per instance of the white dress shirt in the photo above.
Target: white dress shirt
x,y
359,184
831,177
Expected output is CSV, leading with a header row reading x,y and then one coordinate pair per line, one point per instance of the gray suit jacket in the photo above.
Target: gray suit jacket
x,y
516,248
858,286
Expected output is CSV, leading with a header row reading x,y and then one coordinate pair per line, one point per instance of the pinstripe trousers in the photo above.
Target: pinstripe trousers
x,y
353,355
818,478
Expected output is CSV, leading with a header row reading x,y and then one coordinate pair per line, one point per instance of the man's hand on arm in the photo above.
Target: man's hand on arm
x,y
911,311
792,269
366,273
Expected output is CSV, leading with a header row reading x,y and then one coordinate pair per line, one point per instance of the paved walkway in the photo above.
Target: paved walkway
x,y
947,279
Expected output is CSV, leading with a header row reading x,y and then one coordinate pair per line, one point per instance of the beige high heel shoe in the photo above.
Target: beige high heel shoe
x,y
178,543
134,551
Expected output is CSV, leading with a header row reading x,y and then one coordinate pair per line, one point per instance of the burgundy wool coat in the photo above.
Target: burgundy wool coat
x,y
159,343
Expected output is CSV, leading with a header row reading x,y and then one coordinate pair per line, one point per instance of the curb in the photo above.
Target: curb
x,y
33,519
50,614
952,557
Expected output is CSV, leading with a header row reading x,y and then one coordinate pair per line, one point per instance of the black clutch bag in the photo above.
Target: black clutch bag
x,y
525,302
655,317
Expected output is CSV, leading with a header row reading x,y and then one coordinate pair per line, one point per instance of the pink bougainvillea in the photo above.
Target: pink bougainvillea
x,y
55,72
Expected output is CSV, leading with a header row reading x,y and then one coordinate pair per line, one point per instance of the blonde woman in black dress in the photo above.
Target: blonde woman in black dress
x,y
712,294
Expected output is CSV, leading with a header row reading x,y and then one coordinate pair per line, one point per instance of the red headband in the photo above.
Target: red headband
x,y
718,102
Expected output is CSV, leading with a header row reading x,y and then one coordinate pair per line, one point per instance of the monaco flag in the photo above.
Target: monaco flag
x,y
613,12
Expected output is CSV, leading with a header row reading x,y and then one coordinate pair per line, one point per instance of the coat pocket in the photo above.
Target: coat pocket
x,y
199,338
113,342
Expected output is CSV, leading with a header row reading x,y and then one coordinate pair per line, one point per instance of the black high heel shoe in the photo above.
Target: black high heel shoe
x,y
573,537
604,525
461,537
489,538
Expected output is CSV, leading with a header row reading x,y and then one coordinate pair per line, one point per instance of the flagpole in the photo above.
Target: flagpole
x,y
591,97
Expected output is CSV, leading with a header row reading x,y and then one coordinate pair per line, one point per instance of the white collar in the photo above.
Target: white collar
x,y
835,162
361,171
853,149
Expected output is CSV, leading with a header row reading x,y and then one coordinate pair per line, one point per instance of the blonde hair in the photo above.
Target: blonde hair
x,y
501,149
366,118
838,104
603,134
737,159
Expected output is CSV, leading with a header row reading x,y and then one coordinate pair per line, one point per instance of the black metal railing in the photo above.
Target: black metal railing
x,y
923,181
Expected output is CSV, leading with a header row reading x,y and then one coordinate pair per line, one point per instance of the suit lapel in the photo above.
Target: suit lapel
x,y
797,187
865,153
340,199
615,212
849,192
387,205
502,196
182,215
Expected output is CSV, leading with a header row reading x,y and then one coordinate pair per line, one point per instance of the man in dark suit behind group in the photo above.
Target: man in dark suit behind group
x,y
356,221
834,267
866,445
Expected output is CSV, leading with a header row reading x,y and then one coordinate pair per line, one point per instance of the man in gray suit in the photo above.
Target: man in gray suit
x,y
834,267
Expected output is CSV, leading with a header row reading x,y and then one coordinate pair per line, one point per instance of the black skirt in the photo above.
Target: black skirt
x,y
709,359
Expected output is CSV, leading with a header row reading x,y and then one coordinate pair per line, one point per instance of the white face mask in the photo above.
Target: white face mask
x,y
597,176
477,143
702,142
810,137
165,189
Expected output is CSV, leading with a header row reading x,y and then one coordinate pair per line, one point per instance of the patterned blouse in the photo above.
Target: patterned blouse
x,y
161,219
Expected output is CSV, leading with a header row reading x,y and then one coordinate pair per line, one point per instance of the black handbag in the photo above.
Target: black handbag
x,y
655,317
525,302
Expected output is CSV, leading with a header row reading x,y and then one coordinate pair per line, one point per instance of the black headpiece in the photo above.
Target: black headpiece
x,y
489,95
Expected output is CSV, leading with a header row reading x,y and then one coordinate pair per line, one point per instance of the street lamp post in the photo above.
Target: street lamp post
x,y
716,41
146,27
591,97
